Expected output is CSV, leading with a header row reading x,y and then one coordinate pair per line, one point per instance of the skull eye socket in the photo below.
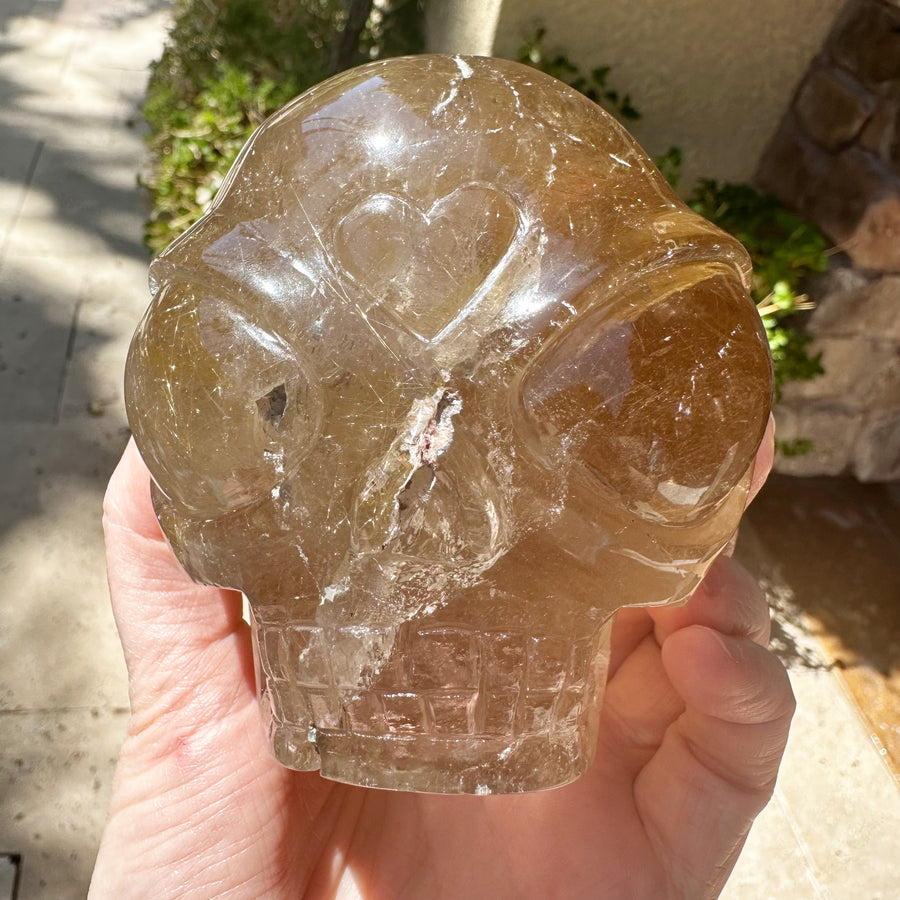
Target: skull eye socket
x,y
227,410
666,405
272,406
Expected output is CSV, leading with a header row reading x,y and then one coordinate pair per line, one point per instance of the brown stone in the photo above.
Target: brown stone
x,y
877,454
875,242
838,295
792,167
866,41
859,371
852,185
894,153
885,393
832,108
445,377
880,133
831,427
878,314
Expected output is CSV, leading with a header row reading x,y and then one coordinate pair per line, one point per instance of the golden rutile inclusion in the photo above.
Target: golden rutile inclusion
x,y
445,376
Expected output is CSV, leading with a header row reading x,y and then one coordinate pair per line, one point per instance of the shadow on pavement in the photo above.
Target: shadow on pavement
x,y
832,548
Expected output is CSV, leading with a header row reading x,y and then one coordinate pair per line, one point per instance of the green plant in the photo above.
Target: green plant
x,y
669,164
784,250
593,86
796,447
227,65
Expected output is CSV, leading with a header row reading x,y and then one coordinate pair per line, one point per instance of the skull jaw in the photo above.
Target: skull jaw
x,y
485,713
426,764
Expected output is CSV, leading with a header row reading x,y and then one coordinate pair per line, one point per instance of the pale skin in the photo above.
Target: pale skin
x,y
693,729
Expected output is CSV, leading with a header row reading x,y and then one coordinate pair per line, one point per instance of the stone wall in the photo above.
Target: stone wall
x,y
835,159
852,412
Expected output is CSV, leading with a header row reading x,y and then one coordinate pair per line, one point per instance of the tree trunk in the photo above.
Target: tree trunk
x,y
345,52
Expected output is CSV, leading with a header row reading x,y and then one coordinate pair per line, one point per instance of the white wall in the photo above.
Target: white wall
x,y
713,76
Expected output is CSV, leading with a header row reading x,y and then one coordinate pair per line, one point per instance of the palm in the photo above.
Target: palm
x,y
681,770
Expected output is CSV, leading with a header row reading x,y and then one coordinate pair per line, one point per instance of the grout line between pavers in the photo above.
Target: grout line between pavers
x,y
67,360
822,892
868,726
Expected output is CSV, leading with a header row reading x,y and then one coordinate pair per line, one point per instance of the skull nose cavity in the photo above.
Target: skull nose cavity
x,y
425,444
415,490
403,478
430,437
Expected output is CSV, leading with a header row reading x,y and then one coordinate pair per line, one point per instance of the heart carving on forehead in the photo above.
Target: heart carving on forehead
x,y
423,267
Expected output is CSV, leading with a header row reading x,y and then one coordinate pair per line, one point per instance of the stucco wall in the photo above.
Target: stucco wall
x,y
713,76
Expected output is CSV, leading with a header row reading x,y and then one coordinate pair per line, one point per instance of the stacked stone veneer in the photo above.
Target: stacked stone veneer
x,y
835,159
852,412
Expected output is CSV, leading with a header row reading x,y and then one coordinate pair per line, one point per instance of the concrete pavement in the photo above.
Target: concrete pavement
x,y
72,287
72,284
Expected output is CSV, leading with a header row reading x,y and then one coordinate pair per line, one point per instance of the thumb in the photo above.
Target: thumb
x,y
178,637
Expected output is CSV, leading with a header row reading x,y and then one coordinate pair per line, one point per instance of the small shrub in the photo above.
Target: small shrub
x,y
227,65
785,250
593,86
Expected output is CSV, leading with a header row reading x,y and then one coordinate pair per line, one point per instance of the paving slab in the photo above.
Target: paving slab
x,y
17,164
831,830
775,863
80,202
72,288
38,307
842,797
58,644
55,784
114,295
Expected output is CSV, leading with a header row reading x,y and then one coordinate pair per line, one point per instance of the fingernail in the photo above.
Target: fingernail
x,y
732,646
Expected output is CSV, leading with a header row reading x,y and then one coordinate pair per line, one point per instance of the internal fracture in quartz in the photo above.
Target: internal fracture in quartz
x,y
445,376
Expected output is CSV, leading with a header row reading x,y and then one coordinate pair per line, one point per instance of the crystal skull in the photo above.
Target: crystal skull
x,y
445,376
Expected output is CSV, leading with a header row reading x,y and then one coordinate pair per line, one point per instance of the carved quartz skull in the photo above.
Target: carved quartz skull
x,y
445,376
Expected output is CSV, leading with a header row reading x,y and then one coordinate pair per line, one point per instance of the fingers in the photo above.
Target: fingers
x,y
638,707
137,553
127,500
630,627
738,708
749,616
641,702
728,599
730,686
717,766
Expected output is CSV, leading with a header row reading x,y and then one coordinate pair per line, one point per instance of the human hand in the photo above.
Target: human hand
x,y
693,727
